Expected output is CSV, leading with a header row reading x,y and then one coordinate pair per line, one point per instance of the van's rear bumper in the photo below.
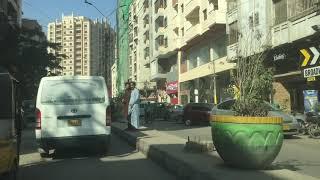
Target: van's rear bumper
x,y
74,141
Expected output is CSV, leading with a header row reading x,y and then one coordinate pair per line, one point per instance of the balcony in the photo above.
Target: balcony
x,y
213,18
156,71
161,13
232,52
191,5
290,31
192,33
160,31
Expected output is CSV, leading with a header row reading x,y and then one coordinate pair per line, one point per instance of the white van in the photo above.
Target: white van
x,y
72,111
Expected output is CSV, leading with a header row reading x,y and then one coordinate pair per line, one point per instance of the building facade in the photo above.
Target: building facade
x,y
182,46
291,29
10,24
123,8
88,46
204,72
10,17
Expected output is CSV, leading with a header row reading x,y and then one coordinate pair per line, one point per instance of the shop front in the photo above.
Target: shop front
x,y
294,75
172,91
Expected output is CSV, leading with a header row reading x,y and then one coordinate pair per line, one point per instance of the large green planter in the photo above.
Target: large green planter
x,y
247,142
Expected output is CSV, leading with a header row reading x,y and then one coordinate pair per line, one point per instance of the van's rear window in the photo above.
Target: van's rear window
x,y
73,92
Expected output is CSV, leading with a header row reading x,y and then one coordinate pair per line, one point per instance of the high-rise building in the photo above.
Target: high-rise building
x,y
88,46
183,48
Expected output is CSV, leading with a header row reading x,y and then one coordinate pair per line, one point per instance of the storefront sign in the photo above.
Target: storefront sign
x,y
278,57
311,72
310,100
172,87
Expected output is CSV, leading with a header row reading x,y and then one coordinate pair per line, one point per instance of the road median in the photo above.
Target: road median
x,y
168,151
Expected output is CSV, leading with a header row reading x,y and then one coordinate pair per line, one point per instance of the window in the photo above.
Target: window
x,y
280,11
251,21
182,8
256,19
205,15
182,31
231,5
70,49
234,33
215,4
70,31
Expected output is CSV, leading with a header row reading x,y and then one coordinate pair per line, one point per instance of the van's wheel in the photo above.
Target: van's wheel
x,y
188,122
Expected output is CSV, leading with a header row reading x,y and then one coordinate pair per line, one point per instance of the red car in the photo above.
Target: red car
x,y
196,113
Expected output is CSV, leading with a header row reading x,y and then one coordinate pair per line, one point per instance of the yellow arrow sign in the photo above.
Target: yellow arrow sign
x,y
306,57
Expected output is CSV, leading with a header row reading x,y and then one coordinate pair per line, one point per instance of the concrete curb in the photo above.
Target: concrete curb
x,y
179,168
187,167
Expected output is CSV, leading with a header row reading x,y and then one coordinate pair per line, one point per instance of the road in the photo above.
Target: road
x,y
122,162
299,153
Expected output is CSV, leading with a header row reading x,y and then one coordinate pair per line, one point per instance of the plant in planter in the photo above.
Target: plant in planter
x,y
249,138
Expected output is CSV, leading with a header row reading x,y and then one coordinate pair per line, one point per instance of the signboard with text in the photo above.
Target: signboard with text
x,y
310,65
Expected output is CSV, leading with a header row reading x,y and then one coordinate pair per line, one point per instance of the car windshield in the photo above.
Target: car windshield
x,y
72,92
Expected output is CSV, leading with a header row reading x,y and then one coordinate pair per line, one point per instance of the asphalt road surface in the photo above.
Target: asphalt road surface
x,y
121,163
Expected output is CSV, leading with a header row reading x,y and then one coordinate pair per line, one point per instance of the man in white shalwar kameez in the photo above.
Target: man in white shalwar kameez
x,y
134,110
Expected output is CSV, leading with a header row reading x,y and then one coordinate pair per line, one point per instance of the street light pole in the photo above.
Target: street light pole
x,y
91,4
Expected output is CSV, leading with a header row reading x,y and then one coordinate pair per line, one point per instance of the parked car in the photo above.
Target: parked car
x,y
290,124
73,111
197,112
28,111
10,126
176,112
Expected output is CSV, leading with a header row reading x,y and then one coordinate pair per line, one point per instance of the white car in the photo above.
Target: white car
x,y
72,111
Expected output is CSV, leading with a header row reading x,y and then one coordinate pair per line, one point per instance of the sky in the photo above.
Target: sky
x,y
45,11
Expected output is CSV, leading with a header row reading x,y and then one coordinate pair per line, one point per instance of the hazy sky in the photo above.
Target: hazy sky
x,y
46,11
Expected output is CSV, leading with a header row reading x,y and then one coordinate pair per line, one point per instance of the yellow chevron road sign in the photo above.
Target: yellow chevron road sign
x,y
310,65
306,55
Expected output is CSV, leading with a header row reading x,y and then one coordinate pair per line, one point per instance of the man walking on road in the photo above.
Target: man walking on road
x,y
134,109
126,100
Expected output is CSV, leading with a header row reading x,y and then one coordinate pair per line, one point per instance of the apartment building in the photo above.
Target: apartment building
x,y
182,46
204,72
10,17
291,28
139,42
88,46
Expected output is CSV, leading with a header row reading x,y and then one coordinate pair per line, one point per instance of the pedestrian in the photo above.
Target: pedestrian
x,y
147,112
134,109
125,101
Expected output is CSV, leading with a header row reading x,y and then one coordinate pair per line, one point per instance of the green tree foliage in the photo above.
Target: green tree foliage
x,y
28,58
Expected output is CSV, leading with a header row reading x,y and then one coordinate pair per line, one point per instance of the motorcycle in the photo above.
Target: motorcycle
x,y
309,124
313,124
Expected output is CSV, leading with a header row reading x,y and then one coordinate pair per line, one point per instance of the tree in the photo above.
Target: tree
x,y
29,60
253,78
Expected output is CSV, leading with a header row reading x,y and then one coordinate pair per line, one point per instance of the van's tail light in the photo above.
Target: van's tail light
x,y
108,116
38,120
